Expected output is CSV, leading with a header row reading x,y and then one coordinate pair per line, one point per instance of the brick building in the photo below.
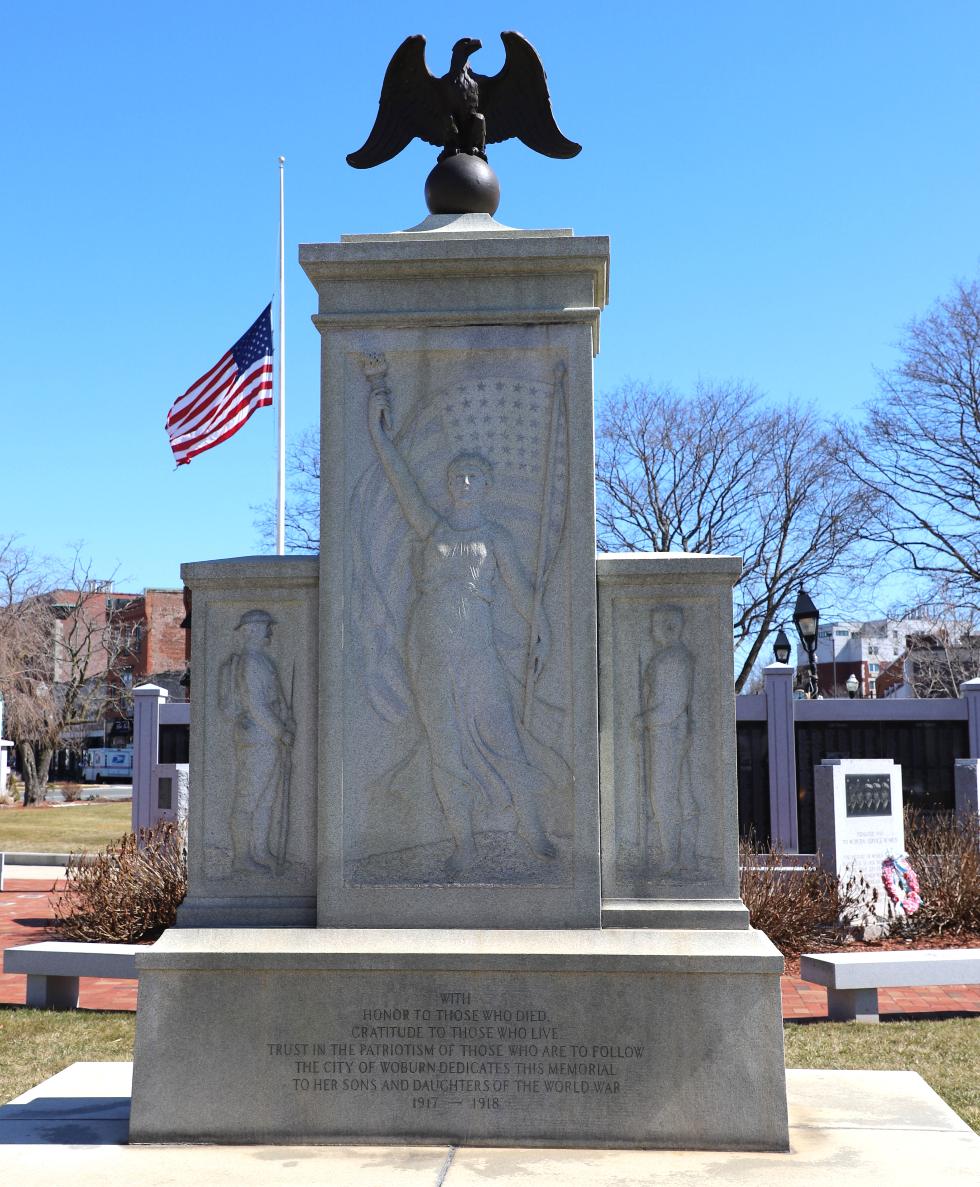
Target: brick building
x,y
895,657
152,641
130,638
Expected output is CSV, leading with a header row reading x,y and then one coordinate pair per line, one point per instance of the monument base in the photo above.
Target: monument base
x,y
710,914
199,911
629,1038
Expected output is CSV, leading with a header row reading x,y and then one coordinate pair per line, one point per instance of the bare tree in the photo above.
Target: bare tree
x,y
26,628
919,448
722,471
56,648
302,497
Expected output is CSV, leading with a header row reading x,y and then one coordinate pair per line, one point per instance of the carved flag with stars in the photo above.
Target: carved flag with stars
x,y
509,422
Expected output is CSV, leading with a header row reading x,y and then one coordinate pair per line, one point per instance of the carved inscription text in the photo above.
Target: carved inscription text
x,y
460,1055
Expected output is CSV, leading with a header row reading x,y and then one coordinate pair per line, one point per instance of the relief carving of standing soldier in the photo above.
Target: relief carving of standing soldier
x,y
251,692
663,730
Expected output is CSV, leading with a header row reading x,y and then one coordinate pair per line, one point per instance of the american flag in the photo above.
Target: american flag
x,y
221,401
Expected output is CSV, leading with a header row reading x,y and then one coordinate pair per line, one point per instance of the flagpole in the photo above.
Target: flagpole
x,y
281,486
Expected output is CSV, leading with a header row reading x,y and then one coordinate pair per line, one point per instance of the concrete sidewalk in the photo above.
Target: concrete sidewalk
x,y
850,1128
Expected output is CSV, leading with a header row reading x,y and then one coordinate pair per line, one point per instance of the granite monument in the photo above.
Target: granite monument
x,y
402,921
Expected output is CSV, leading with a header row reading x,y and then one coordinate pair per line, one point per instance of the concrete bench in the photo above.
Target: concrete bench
x,y
53,969
854,978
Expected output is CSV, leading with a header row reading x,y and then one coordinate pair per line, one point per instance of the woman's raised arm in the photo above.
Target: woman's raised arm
x,y
421,517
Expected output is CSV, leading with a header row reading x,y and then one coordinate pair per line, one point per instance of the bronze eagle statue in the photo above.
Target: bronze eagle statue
x,y
462,112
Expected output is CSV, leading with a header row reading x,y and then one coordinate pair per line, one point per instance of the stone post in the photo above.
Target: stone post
x,y
147,699
3,753
970,691
171,797
783,821
966,787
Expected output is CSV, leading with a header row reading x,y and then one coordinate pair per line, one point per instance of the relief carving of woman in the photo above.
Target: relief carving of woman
x,y
476,744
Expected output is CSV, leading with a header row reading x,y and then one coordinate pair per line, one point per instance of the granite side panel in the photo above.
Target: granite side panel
x,y
253,812
667,733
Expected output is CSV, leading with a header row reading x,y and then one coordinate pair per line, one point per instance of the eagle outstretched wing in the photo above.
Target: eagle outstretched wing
x,y
516,102
410,105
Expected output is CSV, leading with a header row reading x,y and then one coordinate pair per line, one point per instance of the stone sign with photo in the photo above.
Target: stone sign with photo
x,y
859,818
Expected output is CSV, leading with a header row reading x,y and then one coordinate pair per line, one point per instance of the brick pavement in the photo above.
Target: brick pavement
x,y
25,913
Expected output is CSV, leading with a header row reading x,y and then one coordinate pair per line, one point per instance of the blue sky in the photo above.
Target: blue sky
x,y
785,185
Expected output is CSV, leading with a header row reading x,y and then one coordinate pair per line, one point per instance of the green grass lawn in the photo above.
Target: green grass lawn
x,y
63,828
945,1054
34,1044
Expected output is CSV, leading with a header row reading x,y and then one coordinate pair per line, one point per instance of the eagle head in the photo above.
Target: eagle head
x,y
464,47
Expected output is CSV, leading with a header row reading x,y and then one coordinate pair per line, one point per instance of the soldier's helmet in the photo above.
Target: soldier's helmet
x,y
255,616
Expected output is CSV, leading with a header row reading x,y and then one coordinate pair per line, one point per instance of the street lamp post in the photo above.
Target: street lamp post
x,y
851,684
806,619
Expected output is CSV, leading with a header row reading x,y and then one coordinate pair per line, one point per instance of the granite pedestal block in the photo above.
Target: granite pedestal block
x,y
620,1037
458,720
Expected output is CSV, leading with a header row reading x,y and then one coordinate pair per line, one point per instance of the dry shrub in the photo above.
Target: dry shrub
x,y
799,906
129,891
944,851
71,792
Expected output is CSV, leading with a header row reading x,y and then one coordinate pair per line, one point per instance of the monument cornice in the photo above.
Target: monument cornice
x,y
423,318
397,257
254,571
628,566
